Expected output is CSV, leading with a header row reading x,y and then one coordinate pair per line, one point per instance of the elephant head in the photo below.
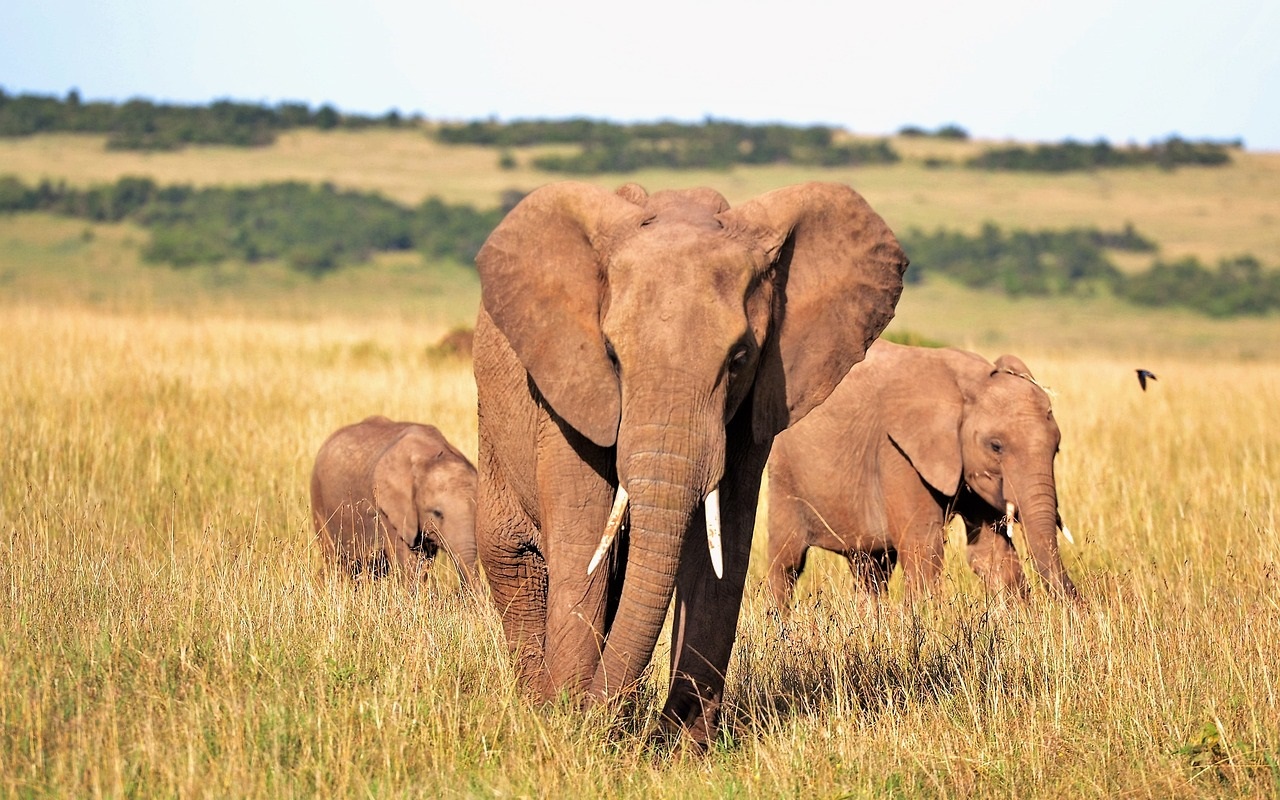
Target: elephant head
x,y
969,425
425,495
680,335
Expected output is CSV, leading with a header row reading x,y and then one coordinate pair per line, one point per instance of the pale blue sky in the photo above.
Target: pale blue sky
x,y
1120,69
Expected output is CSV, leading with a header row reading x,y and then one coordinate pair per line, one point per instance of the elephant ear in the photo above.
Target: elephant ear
x,y
541,281
921,407
394,482
632,192
837,270
1014,365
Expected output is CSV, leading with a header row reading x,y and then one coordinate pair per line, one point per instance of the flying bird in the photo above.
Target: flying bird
x,y
1143,374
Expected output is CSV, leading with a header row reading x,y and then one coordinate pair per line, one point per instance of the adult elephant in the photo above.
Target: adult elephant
x,y
634,356
911,437
387,496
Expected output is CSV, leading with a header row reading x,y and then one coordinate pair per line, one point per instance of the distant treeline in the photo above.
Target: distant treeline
x,y
949,131
610,147
713,144
313,228
143,125
320,228
1075,262
1022,262
1071,156
1237,287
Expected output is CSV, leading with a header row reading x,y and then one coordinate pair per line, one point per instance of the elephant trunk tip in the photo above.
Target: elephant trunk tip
x,y
1068,591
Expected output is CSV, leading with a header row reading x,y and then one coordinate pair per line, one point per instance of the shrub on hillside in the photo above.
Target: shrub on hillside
x,y
140,124
1018,262
948,131
713,144
313,228
1071,156
1239,286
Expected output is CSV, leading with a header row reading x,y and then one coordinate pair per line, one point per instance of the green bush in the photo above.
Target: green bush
x,y
140,124
713,144
1239,286
1019,262
15,196
1070,156
948,131
185,247
313,228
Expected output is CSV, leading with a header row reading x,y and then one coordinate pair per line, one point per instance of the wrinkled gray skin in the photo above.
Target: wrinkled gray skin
x,y
911,437
387,496
657,343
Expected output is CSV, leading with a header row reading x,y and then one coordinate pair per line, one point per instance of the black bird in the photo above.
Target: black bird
x,y
1142,377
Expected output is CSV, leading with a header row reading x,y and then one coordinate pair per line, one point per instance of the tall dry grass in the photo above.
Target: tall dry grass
x,y
166,628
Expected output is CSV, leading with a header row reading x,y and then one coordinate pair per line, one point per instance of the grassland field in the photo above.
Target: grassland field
x,y
166,628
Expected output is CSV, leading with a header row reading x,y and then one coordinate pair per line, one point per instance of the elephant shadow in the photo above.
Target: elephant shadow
x,y
829,661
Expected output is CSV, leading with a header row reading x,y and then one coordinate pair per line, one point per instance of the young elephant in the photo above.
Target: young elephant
x,y
911,437
388,495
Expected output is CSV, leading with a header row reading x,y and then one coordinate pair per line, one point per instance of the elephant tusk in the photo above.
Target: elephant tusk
x,y
610,528
1009,511
713,532
1066,534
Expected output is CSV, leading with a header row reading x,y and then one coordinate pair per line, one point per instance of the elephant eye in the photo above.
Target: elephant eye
x,y
437,513
996,446
737,358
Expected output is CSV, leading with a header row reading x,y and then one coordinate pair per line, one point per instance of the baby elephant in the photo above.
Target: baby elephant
x,y
388,495
911,437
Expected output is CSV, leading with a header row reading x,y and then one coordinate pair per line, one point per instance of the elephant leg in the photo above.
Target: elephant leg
x,y
707,607
410,566
570,466
327,541
514,566
993,558
468,576
871,569
916,525
373,567
397,556
787,551
363,543
921,554
339,557
343,540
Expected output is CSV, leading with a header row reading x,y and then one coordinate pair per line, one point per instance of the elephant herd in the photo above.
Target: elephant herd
x,y
638,358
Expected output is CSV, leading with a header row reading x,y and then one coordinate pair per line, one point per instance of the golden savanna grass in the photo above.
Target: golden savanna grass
x,y
167,630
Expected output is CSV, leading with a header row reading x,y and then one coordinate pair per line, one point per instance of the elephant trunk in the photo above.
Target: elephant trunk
x,y
465,560
665,468
1038,508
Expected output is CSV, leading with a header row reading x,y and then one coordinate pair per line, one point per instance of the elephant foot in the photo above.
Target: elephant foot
x,y
690,716
667,740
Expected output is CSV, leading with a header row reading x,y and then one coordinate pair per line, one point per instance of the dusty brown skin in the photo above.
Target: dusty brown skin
x,y
387,496
911,437
640,341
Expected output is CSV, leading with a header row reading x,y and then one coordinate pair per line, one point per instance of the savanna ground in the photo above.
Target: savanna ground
x,y
167,629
